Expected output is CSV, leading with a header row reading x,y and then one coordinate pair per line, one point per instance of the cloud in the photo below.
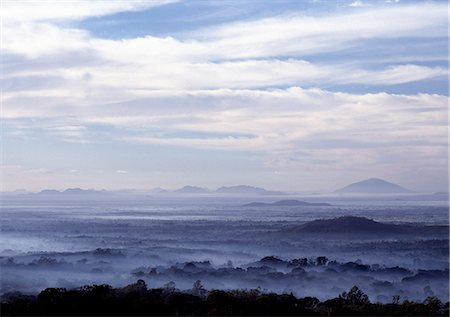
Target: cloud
x,y
299,34
270,121
268,37
248,86
54,10
236,75
251,54
393,75
357,4
69,133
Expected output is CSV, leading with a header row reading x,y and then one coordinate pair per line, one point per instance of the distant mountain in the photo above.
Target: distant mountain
x,y
373,186
49,192
285,203
235,190
79,191
348,224
69,191
246,190
158,190
191,190
17,192
361,226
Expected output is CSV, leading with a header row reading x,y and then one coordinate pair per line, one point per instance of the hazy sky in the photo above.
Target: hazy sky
x,y
289,95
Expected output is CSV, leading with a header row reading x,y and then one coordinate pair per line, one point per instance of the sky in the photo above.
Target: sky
x,y
286,95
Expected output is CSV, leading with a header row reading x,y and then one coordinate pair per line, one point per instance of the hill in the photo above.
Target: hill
x,y
348,224
373,186
361,226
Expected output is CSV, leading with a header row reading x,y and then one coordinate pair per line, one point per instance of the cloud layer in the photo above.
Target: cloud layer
x,y
252,86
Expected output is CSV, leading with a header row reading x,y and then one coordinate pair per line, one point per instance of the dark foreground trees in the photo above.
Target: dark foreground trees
x,y
137,299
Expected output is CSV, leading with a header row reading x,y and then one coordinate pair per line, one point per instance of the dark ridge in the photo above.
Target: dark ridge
x,y
138,300
363,226
347,224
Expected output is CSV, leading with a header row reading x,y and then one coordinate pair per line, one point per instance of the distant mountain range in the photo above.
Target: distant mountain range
x,y
231,190
186,190
373,186
281,203
70,192
367,187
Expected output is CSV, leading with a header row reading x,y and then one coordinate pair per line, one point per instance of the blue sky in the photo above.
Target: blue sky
x,y
290,95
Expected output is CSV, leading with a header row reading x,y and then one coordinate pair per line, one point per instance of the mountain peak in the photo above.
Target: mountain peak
x,y
373,186
188,189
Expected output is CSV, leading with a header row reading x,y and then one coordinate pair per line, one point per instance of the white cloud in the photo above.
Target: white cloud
x,y
69,133
357,4
213,88
306,34
56,10
267,37
235,55
240,74
263,120
398,74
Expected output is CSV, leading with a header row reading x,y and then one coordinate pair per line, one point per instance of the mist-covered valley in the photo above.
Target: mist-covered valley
x,y
387,247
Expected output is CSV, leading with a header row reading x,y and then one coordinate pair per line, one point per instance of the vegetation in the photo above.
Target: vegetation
x,y
136,299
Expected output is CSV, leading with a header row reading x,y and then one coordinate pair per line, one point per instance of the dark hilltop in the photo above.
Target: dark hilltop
x,y
363,227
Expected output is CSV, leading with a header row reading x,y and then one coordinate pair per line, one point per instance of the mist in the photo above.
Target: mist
x,y
227,244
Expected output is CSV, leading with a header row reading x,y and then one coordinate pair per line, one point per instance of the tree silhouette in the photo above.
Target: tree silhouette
x,y
321,260
198,289
355,297
136,300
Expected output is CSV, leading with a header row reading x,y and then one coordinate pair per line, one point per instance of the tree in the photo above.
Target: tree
x,y
355,297
321,260
198,289
170,286
139,287
434,305
396,299
299,262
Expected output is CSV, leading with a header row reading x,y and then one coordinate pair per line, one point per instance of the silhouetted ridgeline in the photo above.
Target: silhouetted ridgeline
x,y
362,226
137,299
